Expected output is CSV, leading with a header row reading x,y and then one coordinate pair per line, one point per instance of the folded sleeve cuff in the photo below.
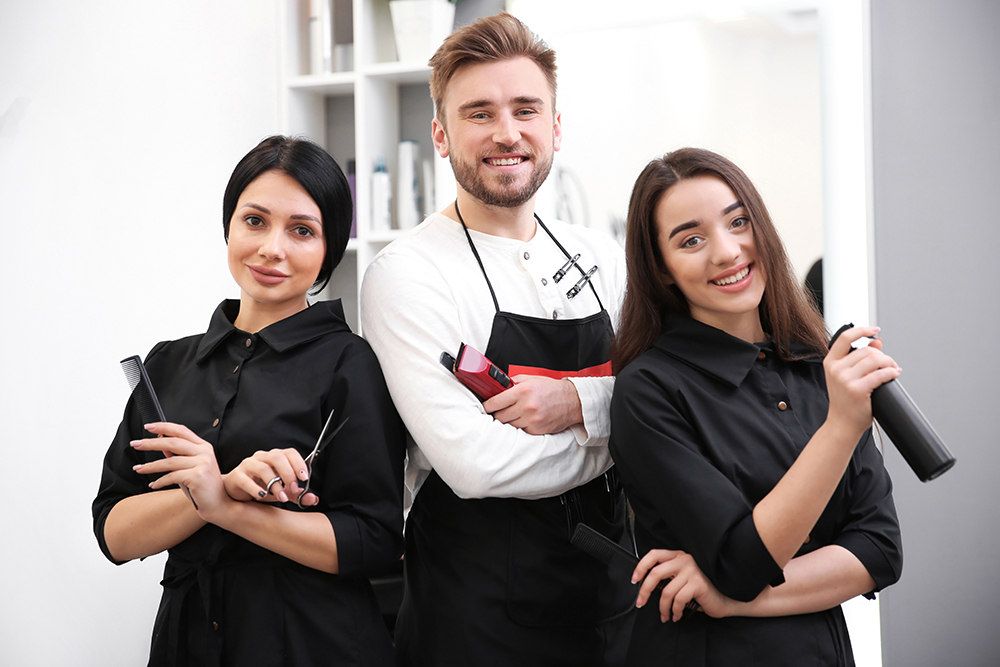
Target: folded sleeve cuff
x,y
747,568
595,400
350,553
871,556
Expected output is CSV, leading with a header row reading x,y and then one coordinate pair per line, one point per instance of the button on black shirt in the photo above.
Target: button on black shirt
x,y
703,426
226,600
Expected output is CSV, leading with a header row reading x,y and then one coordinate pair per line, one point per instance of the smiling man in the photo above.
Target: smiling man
x,y
498,486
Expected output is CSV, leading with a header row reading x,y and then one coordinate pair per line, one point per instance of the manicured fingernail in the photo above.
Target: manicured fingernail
x,y
137,467
149,427
283,496
303,475
135,443
261,494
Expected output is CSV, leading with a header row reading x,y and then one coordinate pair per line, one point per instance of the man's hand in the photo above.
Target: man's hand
x,y
537,405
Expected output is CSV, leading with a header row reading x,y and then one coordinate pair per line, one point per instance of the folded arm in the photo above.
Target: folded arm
x,y
409,323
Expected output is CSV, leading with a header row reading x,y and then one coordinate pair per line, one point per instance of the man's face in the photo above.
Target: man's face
x,y
500,130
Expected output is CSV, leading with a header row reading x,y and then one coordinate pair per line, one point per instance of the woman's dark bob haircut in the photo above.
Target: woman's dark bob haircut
x,y
317,173
786,313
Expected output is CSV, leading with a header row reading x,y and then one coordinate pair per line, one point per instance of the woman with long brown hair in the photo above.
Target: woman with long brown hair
x,y
760,498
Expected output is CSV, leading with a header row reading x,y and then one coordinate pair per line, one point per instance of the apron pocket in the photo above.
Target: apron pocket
x,y
552,583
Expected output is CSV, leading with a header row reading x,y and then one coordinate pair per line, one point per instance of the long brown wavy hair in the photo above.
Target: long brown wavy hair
x,y
786,312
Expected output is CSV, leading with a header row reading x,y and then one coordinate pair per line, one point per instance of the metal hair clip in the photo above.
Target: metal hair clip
x,y
561,273
581,283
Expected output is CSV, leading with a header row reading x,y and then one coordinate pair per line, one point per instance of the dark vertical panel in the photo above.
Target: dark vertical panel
x,y
936,141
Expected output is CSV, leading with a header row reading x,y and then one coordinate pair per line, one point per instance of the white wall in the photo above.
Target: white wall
x,y
120,123
656,75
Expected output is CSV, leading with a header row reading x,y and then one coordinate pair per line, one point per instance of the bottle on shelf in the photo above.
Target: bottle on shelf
x,y
408,185
381,198
352,182
320,36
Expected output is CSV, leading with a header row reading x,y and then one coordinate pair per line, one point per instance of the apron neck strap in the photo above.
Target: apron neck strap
x,y
496,304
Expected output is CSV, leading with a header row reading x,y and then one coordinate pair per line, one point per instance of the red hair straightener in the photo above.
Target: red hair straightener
x,y
476,372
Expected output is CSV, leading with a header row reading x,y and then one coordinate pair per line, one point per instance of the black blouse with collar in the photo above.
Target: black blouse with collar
x,y
226,600
703,427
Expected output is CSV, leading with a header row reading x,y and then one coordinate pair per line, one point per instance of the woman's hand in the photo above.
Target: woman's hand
x,y
684,586
851,376
190,463
275,475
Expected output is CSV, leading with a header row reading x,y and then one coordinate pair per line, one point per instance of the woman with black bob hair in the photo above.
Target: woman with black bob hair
x,y
761,501
320,176
270,549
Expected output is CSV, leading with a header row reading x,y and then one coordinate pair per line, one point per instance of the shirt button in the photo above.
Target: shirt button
x,y
761,355
782,406
555,315
249,342
527,255
544,281
215,423
808,538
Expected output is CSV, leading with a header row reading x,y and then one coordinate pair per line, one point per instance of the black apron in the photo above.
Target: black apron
x,y
495,581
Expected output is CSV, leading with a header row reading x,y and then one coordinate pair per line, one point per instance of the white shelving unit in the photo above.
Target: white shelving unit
x,y
359,115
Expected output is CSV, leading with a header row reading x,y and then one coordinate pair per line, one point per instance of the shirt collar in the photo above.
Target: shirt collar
x,y
708,349
715,352
318,320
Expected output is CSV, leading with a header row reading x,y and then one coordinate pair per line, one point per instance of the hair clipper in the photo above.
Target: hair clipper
x,y
476,372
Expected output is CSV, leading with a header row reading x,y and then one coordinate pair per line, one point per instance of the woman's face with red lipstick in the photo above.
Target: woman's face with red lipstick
x,y
706,240
276,244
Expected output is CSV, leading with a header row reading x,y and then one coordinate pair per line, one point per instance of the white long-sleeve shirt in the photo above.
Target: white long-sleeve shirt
x,y
425,294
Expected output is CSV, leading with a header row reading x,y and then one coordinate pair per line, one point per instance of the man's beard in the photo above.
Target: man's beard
x,y
501,194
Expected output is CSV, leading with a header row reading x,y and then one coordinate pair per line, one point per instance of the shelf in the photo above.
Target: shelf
x,y
399,72
360,116
336,84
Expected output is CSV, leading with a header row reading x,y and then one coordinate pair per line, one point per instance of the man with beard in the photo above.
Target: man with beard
x,y
498,486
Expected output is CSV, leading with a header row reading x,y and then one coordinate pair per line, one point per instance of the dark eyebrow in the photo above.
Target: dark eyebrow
x,y
524,99
485,104
732,207
683,227
299,216
475,104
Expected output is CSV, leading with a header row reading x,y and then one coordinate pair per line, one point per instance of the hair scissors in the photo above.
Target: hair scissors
x,y
321,442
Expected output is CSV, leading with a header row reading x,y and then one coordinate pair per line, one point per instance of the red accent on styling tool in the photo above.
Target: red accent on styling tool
x,y
477,372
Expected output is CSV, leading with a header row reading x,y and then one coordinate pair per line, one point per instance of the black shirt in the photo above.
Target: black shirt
x,y
703,427
225,599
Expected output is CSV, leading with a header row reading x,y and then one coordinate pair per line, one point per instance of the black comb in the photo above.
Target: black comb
x,y
600,547
145,398
142,389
